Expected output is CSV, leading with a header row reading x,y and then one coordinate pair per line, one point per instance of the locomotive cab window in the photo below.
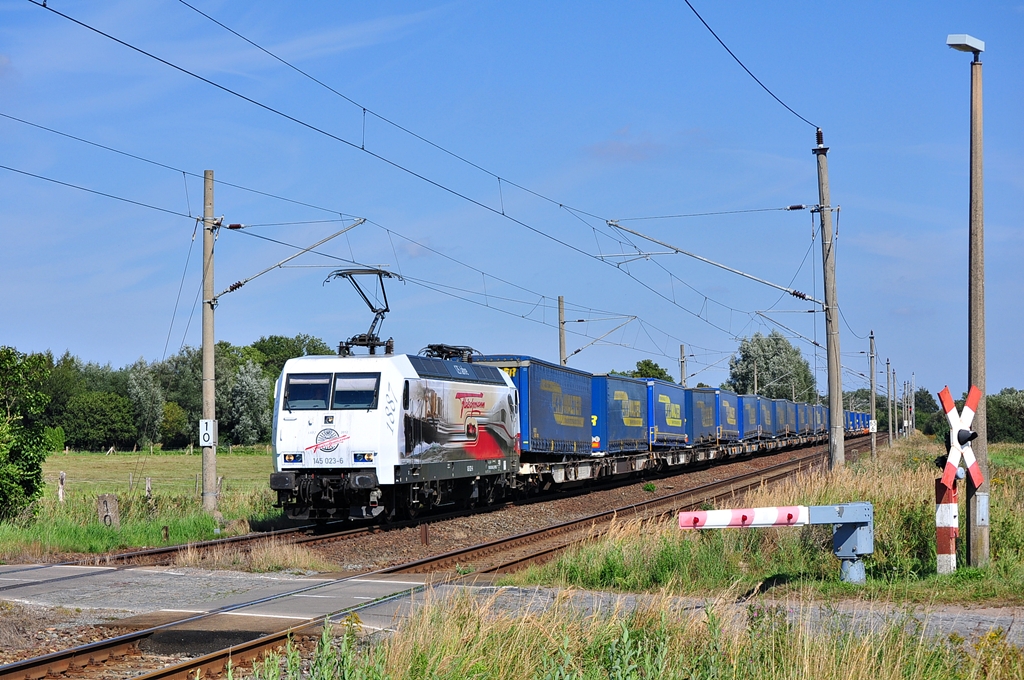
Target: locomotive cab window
x,y
356,390
307,391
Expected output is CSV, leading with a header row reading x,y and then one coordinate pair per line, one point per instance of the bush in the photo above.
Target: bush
x,y
22,446
54,439
97,420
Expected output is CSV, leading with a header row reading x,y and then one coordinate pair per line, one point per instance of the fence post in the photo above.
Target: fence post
x,y
60,487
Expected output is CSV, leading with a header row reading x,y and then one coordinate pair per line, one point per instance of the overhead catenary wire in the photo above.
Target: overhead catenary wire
x,y
791,291
181,285
744,67
98,193
395,164
446,289
296,222
709,214
729,331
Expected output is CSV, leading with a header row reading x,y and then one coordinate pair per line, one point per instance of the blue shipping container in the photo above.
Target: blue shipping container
x,y
701,414
665,417
728,416
620,414
750,416
767,417
803,418
555,404
785,417
819,418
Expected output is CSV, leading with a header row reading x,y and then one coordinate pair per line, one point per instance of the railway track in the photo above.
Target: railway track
x,y
499,556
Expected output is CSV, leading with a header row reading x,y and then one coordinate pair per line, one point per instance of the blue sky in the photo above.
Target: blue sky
x,y
588,113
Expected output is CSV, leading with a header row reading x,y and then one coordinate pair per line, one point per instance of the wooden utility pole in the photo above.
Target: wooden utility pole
x,y
888,397
874,420
209,377
913,402
836,442
562,359
896,403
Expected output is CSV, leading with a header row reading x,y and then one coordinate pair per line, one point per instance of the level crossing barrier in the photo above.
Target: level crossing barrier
x,y
853,527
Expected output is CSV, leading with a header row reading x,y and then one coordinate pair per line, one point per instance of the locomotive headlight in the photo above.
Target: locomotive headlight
x,y
293,457
363,457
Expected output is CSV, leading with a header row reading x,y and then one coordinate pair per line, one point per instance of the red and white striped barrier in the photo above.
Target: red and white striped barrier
x,y
947,526
784,516
957,423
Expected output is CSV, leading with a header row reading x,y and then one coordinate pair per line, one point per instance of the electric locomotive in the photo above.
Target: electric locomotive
x,y
373,436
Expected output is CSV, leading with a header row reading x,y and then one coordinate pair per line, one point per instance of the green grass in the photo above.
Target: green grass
x,y
1006,455
650,557
171,473
73,526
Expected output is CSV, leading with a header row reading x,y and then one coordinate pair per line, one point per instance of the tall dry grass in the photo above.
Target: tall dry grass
x,y
463,637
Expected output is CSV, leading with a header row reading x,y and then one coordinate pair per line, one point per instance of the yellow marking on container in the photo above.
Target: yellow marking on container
x,y
566,408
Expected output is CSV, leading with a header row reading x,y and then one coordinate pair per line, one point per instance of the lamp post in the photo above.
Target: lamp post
x,y
977,499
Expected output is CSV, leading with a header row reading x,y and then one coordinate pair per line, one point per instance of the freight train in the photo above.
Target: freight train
x,y
386,436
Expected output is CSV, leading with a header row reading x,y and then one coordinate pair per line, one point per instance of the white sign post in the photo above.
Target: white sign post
x,y
872,426
208,433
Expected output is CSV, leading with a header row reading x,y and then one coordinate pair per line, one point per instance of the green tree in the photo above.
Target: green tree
x,y
250,405
97,420
147,402
277,349
22,443
1005,412
105,379
174,426
64,381
645,368
782,371
180,376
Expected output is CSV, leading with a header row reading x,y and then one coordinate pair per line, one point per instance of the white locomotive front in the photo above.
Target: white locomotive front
x,y
362,436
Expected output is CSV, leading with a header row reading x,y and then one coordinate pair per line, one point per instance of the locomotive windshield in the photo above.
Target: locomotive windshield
x,y
356,390
307,391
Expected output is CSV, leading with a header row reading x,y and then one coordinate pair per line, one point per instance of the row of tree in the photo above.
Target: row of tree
x,y
161,402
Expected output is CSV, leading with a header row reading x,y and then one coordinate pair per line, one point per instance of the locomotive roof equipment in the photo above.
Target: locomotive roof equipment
x,y
368,339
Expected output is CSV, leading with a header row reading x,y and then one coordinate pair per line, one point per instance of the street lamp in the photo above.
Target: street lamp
x,y
977,499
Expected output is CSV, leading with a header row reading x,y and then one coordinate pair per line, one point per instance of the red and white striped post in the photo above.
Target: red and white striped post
x,y
947,526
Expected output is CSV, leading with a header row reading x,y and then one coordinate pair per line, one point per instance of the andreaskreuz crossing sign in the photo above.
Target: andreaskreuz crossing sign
x,y
960,437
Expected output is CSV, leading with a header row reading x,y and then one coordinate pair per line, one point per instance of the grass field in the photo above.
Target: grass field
x,y
171,474
51,527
